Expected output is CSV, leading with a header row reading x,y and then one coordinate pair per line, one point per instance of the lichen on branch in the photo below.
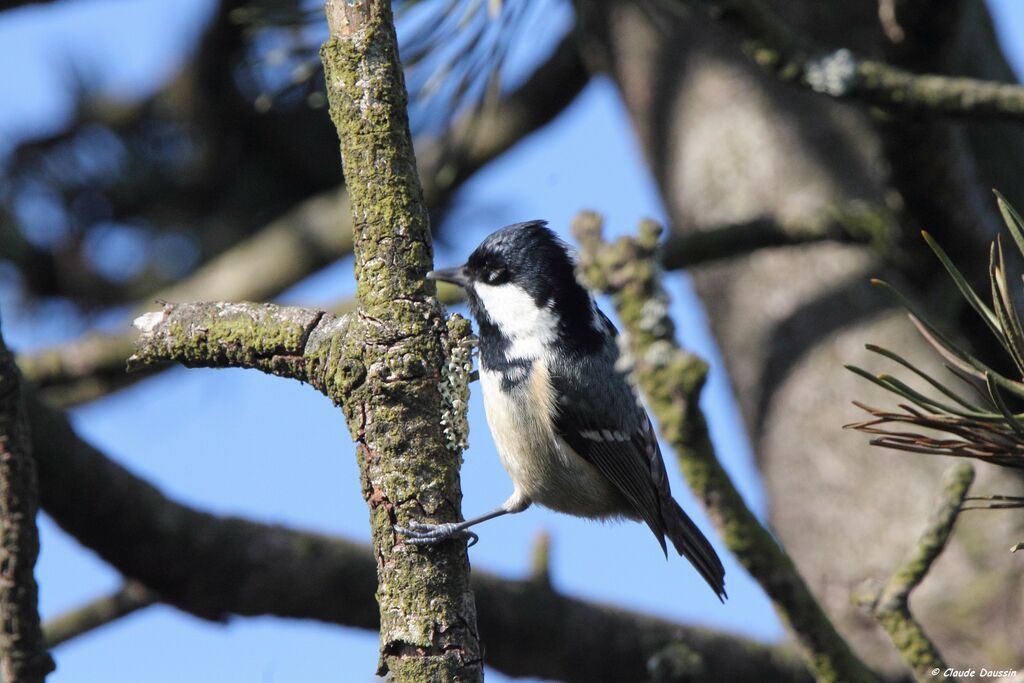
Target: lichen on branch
x,y
672,379
267,337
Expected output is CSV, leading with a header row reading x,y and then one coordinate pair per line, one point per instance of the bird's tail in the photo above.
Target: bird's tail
x,y
692,544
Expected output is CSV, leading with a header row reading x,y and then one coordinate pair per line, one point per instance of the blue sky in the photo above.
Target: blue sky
x,y
240,442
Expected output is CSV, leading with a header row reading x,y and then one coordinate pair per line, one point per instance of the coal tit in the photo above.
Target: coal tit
x,y
568,427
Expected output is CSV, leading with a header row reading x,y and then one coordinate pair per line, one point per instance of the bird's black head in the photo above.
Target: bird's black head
x,y
521,283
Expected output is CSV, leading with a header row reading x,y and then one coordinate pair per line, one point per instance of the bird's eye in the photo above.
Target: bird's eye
x,y
496,276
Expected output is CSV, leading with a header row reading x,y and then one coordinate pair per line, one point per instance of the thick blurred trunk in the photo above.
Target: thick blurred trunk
x,y
726,142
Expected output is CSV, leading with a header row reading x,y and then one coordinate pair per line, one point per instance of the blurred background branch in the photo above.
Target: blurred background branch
x,y
214,567
128,599
310,236
890,605
838,72
672,381
94,365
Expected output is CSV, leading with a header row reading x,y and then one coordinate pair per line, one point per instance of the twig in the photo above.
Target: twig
x,y
540,559
994,503
890,606
129,598
840,73
23,655
672,380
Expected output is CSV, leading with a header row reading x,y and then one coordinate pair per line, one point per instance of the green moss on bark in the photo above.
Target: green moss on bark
x,y
265,336
393,359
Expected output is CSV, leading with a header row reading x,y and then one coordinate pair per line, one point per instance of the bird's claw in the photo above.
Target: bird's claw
x,y
421,533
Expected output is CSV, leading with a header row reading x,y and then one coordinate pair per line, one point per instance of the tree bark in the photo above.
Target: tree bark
x,y
394,359
23,655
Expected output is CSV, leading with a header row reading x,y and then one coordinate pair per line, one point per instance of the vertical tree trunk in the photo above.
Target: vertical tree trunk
x,y
395,360
23,655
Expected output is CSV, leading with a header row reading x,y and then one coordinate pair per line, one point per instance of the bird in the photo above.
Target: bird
x,y
569,428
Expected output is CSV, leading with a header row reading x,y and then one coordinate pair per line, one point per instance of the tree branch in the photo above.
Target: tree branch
x,y
214,567
23,655
854,221
672,380
890,605
275,339
840,73
129,598
395,410
316,232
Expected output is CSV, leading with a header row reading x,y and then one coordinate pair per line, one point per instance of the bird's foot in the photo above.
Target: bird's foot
x,y
420,533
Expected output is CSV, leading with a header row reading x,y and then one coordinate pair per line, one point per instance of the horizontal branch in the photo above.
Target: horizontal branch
x,y
267,337
316,232
215,567
308,237
840,73
890,606
854,221
130,598
672,380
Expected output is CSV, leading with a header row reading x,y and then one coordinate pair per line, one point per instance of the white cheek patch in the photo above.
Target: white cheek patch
x,y
528,326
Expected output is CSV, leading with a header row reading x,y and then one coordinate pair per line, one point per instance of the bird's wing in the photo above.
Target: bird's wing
x,y
612,431
620,444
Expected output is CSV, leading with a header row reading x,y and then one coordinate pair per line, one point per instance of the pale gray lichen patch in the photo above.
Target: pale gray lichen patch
x,y
660,354
832,74
454,384
654,318
147,322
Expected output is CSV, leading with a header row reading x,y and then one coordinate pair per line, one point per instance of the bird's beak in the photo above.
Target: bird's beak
x,y
456,275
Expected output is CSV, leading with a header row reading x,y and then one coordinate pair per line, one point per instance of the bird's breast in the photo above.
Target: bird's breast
x,y
520,404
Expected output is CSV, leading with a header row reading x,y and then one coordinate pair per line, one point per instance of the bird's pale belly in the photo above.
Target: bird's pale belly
x,y
543,467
